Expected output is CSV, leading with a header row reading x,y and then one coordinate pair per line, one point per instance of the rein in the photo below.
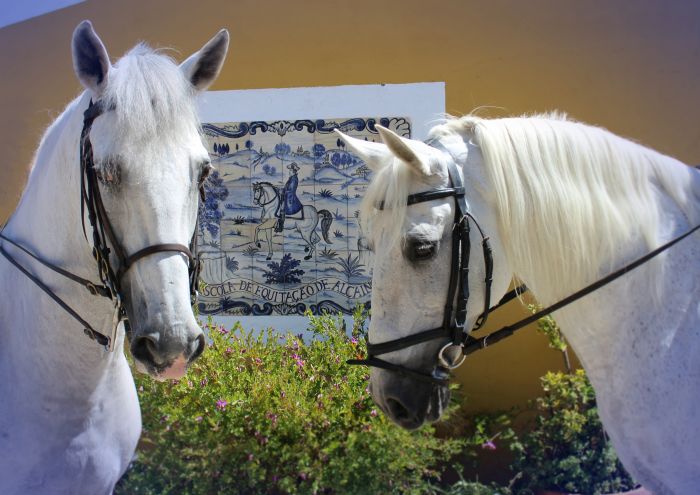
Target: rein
x,y
454,319
102,235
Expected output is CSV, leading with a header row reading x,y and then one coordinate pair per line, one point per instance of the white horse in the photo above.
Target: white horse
x,y
69,413
267,196
564,204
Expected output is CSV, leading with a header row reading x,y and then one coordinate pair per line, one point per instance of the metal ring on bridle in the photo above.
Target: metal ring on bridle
x,y
444,363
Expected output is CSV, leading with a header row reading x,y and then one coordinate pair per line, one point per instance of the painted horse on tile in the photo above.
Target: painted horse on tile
x,y
305,220
103,234
562,206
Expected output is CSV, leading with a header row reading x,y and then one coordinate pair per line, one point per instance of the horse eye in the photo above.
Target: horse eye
x,y
421,250
109,171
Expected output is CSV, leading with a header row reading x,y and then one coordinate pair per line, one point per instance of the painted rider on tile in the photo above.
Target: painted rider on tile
x,y
289,202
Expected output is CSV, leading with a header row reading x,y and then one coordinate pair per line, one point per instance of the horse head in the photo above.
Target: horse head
x,y
150,162
413,261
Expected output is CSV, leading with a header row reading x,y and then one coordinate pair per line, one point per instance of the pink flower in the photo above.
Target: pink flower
x,y
353,341
373,413
250,457
221,404
198,419
488,445
228,350
204,382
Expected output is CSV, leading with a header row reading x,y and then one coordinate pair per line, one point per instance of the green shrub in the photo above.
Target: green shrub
x,y
567,449
264,413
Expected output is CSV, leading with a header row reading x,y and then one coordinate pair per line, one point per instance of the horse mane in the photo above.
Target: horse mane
x,y
564,191
150,95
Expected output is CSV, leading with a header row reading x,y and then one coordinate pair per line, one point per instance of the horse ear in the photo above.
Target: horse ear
x,y
90,59
203,67
408,150
375,155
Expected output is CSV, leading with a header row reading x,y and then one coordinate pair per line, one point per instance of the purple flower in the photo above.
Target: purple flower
x,y
489,445
221,404
228,350
272,417
283,394
302,475
204,382
297,359
258,361
198,419
250,457
353,341
222,330
373,412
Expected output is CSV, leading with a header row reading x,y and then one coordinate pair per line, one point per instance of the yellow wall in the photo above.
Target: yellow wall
x,y
632,66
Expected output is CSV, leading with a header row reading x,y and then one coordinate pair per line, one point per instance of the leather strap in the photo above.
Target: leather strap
x,y
89,331
471,344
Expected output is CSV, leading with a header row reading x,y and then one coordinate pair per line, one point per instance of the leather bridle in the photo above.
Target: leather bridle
x,y
455,312
102,238
458,293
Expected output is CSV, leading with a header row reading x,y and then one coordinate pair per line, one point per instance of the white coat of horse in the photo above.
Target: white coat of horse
x,y
69,413
564,204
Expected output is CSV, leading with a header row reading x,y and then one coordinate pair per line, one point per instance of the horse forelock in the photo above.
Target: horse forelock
x,y
151,96
390,187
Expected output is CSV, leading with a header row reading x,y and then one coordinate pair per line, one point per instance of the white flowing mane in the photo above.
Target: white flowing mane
x,y
564,191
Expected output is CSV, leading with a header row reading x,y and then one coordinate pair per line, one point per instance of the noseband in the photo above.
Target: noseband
x,y
102,237
454,318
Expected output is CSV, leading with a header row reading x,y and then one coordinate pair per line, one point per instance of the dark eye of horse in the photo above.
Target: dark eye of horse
x,y
421,250
109,172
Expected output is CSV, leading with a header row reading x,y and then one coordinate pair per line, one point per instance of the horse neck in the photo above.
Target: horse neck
x,y
47,221
593,324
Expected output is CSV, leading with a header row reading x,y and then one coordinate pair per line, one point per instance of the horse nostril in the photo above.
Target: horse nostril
x,y
397,410
144,349
200,344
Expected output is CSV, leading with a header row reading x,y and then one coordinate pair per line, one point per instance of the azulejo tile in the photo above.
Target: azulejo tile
x,y
252,268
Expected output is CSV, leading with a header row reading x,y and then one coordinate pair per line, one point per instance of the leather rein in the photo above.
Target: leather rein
x,y
454,318
102,237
